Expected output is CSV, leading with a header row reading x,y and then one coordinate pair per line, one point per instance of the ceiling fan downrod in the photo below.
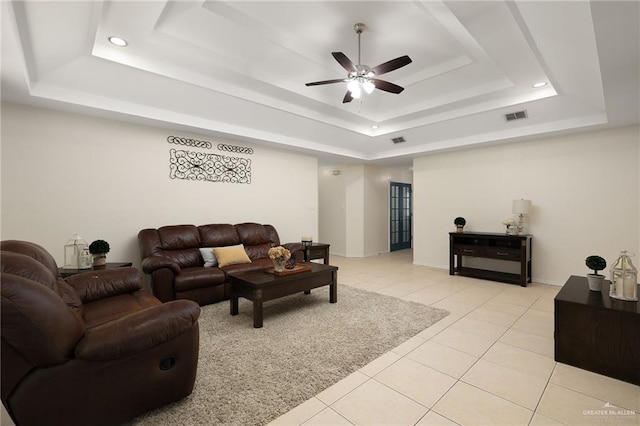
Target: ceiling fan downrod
x,y
359,28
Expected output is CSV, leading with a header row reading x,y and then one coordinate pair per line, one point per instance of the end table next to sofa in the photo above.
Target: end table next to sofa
x,y
67,272
316,251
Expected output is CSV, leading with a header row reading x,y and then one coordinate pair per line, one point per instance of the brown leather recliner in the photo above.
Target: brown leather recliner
x,y
94,349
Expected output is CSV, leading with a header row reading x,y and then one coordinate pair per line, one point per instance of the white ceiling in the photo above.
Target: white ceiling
x,y
237,69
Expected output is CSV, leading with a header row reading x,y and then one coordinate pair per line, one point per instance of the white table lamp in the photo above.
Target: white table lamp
x,y
521,207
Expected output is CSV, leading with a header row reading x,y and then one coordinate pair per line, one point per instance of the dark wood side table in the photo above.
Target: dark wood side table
x,y
316,251
67,272
597,333
514,248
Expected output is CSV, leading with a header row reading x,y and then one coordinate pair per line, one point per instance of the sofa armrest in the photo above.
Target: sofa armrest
x,y
105,283
295,248
153,263
139,331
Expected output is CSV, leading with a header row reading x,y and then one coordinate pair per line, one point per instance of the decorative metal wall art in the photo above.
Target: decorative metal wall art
x,y
192,165
189,142
235,148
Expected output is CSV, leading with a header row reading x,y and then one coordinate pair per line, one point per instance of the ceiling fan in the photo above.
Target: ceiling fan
x,y
361,77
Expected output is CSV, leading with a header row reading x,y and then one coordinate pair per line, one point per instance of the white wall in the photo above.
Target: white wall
x,y
354,208
584,189
332,219
64,173
353,177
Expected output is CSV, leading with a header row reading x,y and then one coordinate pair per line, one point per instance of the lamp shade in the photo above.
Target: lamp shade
x,y
521,206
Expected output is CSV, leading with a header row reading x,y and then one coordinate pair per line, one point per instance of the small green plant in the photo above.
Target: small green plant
x,y
459,221
99,247
596,263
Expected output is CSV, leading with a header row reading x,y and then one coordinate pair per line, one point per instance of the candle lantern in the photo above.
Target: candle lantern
x,y
76,253
624,279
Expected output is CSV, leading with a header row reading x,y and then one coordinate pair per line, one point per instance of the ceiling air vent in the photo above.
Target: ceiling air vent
x,y
398,139
516,115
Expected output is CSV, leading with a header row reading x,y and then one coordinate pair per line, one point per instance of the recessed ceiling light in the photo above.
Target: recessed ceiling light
x,y
117,41
539,84
374,126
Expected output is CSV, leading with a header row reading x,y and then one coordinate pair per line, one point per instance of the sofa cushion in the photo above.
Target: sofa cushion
x,y
256,265
187,258
252,234
231,255
109,309
256,239
198,277
35,320
179,237
218,235
259,251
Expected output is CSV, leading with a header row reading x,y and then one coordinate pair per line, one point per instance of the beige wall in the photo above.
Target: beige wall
x,y
584,189
332,206
64,173
354,208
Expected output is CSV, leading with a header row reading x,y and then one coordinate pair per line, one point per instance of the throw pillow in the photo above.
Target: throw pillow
x,y
209,258
231,255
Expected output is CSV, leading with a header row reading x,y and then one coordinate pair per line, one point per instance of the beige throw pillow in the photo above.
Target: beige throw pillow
x,y
231,255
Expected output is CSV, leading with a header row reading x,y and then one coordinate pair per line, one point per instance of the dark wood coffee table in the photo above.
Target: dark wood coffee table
x,y
262,286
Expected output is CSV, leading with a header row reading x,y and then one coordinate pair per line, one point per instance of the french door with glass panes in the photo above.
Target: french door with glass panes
x,y
400,216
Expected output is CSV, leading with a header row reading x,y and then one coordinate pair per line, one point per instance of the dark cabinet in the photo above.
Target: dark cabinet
x,y
514,248
597,333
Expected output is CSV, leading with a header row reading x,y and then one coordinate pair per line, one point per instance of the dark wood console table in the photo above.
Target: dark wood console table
x,y
597,333
515,248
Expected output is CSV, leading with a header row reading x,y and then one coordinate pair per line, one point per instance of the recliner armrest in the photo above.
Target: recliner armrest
x,y
295,248
100,284
153,263
139,331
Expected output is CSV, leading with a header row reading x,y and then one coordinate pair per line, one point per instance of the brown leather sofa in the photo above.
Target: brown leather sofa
x,y
94,349
171,256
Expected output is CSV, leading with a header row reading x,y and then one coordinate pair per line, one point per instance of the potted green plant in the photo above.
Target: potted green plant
x,y
460,222
595,280
99,250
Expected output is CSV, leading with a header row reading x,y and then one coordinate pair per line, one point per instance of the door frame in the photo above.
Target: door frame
x,y
404,220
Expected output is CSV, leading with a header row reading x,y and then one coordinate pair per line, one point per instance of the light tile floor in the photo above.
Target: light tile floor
x,y
489,362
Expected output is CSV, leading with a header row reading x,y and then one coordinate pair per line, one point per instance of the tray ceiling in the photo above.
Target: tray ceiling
x,y
237,69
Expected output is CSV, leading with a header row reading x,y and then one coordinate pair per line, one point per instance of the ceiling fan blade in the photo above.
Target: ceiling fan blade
x,y
318,83
391,65
347,97
386,86
345,62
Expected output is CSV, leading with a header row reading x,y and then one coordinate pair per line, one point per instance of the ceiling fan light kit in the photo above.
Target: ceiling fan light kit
x,y
361,77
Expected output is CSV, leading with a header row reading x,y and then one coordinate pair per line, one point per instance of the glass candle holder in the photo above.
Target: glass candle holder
x,y
624,279
76,253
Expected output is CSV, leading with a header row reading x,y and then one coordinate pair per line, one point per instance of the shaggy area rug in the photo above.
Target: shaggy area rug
x,y
251,376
